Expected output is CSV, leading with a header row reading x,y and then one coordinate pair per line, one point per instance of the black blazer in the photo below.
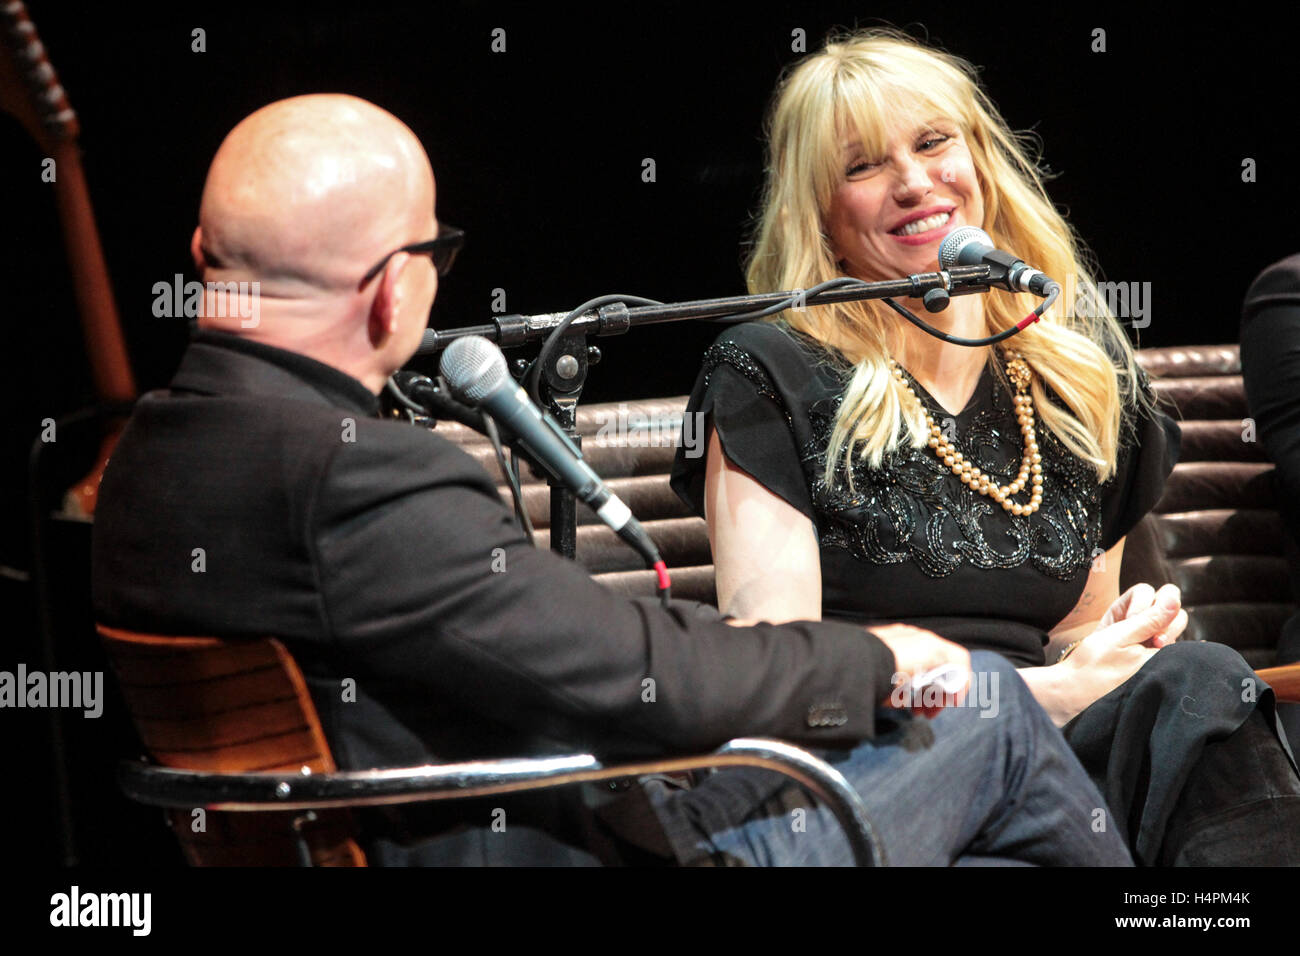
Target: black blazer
x,y
260,495
1270,366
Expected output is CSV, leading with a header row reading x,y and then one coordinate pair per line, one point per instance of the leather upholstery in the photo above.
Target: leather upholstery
x,y
1215,532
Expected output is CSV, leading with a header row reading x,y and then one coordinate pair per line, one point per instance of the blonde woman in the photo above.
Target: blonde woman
x,y
859,468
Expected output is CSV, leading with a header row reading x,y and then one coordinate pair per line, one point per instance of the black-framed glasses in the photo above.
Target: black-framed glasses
x,y
443,250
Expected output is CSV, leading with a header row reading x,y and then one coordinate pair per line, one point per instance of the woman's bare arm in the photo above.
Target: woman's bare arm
x,y
1100,591
764,550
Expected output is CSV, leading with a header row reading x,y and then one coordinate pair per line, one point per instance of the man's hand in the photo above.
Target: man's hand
x,y
917,651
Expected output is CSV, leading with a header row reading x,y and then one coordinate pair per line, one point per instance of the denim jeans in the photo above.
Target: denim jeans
x,y
994,782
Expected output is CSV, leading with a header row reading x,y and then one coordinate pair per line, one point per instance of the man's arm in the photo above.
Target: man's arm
x,y
428,584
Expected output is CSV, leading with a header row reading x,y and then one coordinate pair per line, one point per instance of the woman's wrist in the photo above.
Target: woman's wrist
x,y
1055,691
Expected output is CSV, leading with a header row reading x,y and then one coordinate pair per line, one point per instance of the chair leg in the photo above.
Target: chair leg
x,y
304,849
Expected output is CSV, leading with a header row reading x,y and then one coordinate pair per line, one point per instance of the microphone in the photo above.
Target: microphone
x,y
969,246
475,370
436,398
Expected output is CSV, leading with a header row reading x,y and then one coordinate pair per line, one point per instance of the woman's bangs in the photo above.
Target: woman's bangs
x,y
869,111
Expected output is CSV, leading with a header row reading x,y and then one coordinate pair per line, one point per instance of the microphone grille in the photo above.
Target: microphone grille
x,y
952,245
473,367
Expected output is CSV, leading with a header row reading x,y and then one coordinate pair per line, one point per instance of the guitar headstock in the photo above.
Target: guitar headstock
x,y
29,87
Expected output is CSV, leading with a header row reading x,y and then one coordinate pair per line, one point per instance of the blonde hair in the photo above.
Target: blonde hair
x,y
859,82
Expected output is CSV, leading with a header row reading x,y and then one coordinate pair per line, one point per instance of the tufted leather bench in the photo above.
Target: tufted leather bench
x,y
1215,532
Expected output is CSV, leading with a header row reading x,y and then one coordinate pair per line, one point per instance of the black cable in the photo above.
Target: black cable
x,y
1053,290
665,596
837,283
954,339
521,513
510,474
397,393
534,374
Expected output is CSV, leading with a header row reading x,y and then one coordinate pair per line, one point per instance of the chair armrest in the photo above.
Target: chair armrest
x,y
1284,680
250,792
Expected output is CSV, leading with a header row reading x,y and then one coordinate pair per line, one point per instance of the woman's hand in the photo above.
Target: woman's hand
x,y
1138,624
1139,598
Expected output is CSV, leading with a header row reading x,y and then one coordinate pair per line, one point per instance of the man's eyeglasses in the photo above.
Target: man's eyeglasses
x,y
443,250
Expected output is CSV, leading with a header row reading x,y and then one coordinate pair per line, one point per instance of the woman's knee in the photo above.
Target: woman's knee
x,y
1207,655
1204,665
1204,677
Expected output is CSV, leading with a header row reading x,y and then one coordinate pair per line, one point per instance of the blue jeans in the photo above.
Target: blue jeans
x,y
996,781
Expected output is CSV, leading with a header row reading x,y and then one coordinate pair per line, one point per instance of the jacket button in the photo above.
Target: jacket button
x,y
827,714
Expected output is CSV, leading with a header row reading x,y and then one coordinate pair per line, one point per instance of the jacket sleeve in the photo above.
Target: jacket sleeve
x,y
425,578
1270,365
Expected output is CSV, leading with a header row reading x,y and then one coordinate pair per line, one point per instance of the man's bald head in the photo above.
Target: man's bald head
x,y
307,189
303,197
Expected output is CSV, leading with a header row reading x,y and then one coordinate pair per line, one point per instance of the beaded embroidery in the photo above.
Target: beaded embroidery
x,y
913,508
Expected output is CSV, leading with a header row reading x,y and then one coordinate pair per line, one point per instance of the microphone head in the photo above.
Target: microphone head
x,y
969,240
473,368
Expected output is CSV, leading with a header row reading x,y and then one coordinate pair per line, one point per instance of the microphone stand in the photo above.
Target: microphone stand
x,y
510,331
564,375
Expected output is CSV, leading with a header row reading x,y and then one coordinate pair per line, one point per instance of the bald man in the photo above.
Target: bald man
x,y
261,494
298,194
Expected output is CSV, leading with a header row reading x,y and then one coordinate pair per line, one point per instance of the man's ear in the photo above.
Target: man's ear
x,y
388,300
196,250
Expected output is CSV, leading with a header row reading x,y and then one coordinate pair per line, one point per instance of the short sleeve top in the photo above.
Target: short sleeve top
x,y
910,542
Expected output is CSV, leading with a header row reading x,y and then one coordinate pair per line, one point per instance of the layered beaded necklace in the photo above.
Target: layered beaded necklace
x,y
1031,464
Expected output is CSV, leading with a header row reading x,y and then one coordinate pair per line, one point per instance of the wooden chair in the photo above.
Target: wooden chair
x,y
203,704
241,763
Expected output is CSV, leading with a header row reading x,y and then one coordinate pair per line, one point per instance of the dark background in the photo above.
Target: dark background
x,y
538,156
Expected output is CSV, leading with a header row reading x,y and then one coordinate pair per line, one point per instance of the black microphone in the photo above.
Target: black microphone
x,y
436,398
475,370
969,246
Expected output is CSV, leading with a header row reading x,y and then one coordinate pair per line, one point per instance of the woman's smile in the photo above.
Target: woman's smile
x,y
922,228
890,212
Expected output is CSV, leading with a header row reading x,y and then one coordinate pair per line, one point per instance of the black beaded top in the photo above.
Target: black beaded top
x,y
909,541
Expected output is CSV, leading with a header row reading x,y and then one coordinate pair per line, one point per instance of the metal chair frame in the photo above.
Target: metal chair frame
x,y
254,792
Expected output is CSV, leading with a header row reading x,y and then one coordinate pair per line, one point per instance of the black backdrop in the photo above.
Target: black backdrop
x,y
538,154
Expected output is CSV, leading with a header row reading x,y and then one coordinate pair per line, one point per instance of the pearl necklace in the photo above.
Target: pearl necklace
x,y
1031,464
